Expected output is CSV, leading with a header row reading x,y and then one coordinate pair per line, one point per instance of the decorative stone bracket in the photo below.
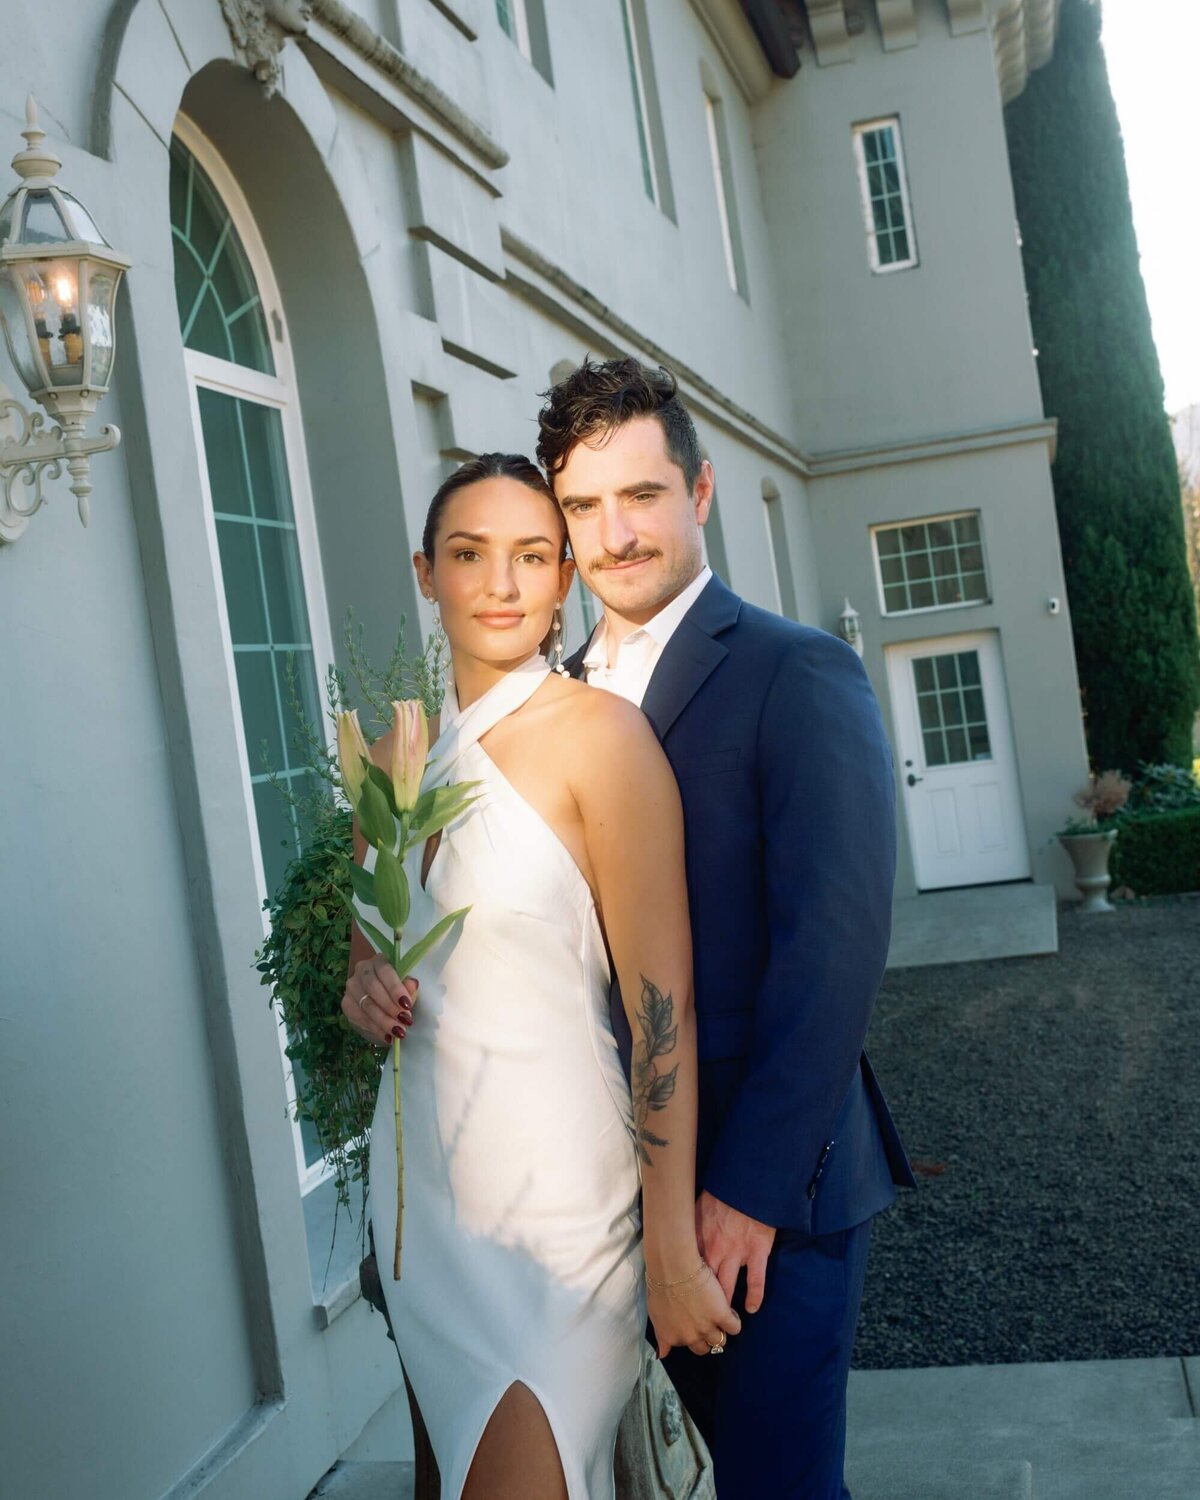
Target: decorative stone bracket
x,y
259,29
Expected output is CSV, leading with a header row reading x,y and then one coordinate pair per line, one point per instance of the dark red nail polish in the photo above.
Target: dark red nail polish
x,y
397,1031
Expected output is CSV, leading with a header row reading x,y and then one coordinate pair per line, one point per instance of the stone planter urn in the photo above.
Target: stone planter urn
x,y
1089,854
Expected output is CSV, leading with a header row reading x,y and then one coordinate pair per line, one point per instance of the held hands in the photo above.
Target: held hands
x,y
730,1240
377,1002
690,1309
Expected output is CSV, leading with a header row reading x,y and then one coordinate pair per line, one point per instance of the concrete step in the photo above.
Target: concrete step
x,y
366,1481
900,1470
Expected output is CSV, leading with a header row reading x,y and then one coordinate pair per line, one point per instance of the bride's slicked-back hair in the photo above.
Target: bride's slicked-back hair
x,y
490,466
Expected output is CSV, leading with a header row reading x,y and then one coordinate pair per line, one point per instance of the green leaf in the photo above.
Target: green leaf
x,y
439,807
408,961
363,883
385,944
391,889
384,782
375,816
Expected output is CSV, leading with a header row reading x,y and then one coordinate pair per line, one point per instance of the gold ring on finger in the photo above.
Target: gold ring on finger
x,y
362,1000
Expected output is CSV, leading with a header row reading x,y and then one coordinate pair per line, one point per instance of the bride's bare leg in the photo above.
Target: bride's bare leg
x,y
517,1457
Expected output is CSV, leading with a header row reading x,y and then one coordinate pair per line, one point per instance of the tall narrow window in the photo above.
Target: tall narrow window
x,y
887,213
647,115
722,170
261,525
514,22
781,558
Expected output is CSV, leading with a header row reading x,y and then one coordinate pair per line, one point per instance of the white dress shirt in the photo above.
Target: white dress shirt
x,y
638,653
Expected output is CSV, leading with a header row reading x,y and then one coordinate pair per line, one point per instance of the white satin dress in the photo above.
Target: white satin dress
x,y
522,1257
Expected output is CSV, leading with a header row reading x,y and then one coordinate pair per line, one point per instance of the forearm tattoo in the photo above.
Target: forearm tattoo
x,y
652,1086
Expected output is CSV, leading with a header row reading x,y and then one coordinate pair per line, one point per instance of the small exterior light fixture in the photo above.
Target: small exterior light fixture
x,y
850,627
58,290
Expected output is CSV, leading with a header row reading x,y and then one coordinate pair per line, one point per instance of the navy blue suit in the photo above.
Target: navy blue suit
x,y
785,773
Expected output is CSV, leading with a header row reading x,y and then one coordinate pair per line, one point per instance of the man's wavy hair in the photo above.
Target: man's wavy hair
x,y
596,399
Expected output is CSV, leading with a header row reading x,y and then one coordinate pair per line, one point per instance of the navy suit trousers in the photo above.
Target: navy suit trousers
x,y
772,1408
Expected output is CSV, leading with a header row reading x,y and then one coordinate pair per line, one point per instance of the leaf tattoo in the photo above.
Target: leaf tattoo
x,y
652,1089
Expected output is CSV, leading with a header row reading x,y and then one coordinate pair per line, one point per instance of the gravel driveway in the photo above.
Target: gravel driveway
x,y
1052,1110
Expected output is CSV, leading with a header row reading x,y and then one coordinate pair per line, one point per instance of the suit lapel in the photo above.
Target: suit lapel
x,y
690,656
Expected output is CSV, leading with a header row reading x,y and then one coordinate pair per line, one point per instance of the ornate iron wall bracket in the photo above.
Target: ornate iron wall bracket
x,y
39,453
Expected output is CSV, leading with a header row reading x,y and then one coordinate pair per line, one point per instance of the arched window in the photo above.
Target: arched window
x,y
261,525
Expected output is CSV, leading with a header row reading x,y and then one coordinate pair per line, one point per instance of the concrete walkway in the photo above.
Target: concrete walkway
x,y
979,921
1105,1430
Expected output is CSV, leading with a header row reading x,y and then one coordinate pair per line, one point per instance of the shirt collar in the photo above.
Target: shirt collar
x,y
660,627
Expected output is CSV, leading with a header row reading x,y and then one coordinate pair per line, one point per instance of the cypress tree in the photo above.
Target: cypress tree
x,y
1116,485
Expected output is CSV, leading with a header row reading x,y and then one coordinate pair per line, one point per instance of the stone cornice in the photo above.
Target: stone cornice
x,y
1015,434
554,291
726,24
375,50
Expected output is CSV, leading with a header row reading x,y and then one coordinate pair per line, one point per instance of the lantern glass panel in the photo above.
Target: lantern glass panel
x,y
101,295
43,223
16,331
7,214
52,287
82,223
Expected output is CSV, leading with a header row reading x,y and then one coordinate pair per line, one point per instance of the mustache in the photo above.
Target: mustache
x,y
607,560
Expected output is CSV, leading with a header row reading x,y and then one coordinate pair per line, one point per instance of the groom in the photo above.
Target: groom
x,y
786,777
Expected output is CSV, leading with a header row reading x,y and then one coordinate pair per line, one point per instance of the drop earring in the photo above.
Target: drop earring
x,y
555,655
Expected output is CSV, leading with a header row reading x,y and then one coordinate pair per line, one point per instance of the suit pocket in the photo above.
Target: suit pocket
x,y
710,763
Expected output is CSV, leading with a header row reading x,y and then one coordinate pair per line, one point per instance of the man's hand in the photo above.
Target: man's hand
x,y
730,1240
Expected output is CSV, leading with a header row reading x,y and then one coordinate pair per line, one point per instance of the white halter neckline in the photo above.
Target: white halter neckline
x,y
464,727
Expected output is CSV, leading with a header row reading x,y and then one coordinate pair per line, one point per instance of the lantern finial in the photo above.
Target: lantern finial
x,y
37,165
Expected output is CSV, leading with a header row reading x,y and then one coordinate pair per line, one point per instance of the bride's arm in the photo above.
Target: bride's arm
x,y
633,828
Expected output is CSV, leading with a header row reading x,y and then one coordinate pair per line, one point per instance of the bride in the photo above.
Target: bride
x,y
527,1273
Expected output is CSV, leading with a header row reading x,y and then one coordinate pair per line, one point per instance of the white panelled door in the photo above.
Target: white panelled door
x,y
957,763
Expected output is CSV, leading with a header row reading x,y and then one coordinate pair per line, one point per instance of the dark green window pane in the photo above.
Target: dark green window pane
x,y
968,666
940,534
956,745
981,748
900,242
895,597
917,564
263,428
935,748
975,586
948,591
243,589
207,333
971,558
923,674
285,587
260,711
887,542
927,705
248,340
912,538
892,570
276,833
223,453
966,528
952,709
880,216
304,686
189,282
947,673
944,562
921,596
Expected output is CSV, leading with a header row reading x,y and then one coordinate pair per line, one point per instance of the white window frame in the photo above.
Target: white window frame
x,y
516,9
711,106
862,128
280,391
928,609
641,103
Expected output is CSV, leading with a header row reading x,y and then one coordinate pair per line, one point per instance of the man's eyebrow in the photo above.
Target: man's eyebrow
x,y
641,487
479,536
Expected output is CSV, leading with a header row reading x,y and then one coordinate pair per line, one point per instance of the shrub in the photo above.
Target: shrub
x,y
1162,788
1158,854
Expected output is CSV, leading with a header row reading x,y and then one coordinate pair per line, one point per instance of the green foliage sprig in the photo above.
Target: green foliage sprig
x,y
305,957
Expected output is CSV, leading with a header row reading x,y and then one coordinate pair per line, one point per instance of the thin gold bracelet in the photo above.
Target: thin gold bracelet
x,y
669,1286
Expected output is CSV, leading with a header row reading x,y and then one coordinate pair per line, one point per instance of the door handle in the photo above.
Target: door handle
x,y
912,780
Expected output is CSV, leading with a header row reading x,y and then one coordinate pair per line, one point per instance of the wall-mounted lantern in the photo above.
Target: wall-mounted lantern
x,y
850,627
58,290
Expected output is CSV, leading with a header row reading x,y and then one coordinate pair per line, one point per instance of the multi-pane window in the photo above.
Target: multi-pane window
x,y
514,22
647,114
950,704
932,564
887,213
251,451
